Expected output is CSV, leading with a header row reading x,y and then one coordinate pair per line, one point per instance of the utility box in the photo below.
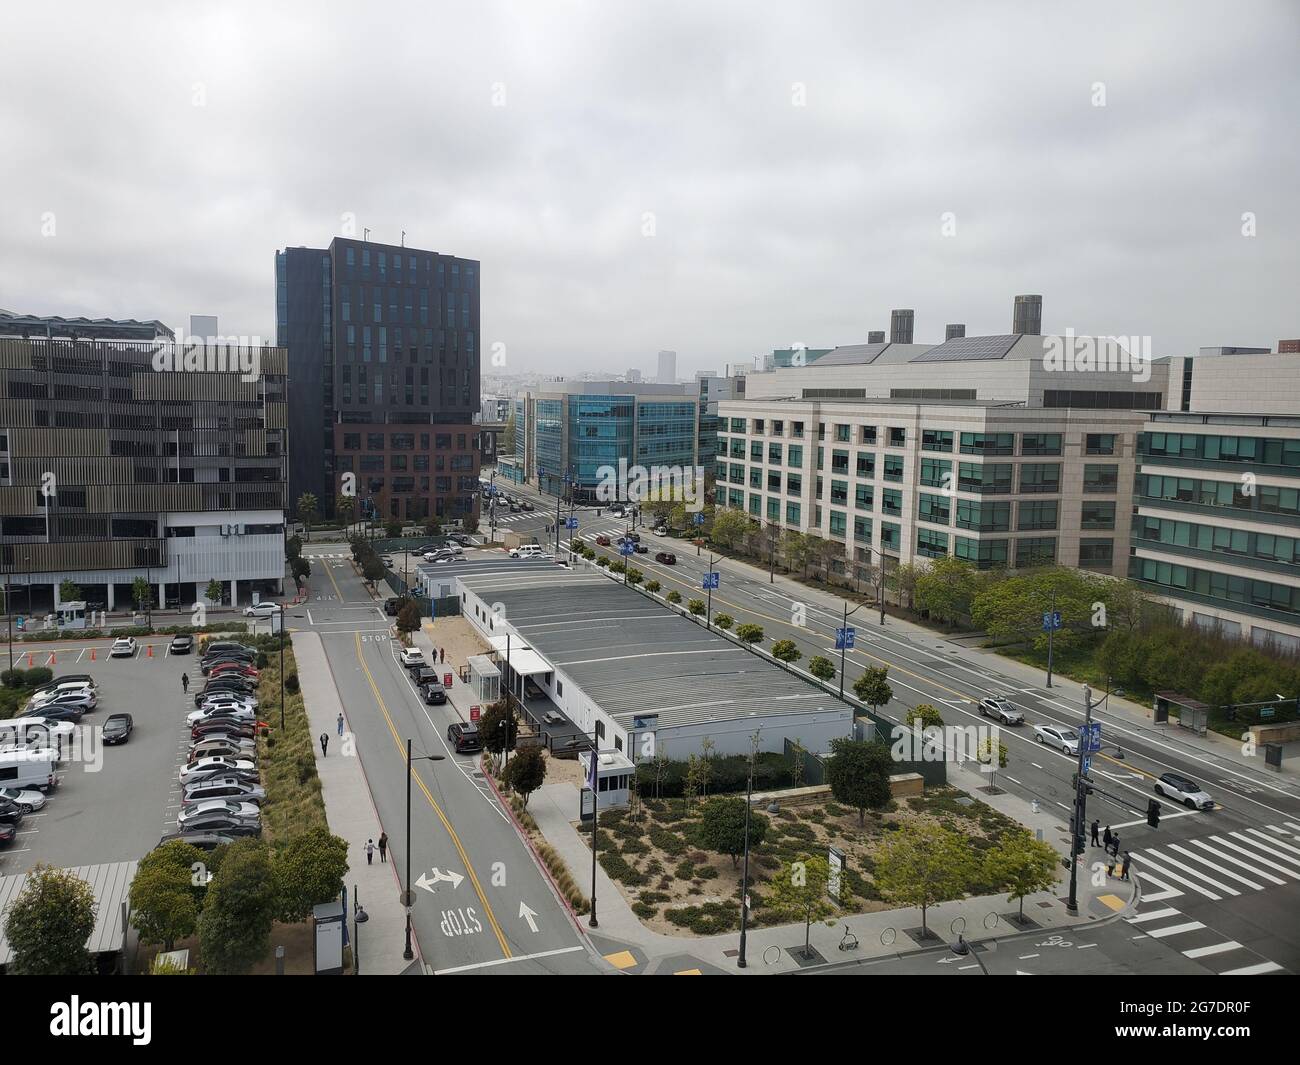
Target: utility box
x,y
1273,756
327,943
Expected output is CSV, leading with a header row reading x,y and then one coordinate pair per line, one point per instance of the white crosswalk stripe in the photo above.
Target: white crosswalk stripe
x,y
1175,929
1255,970
1222,865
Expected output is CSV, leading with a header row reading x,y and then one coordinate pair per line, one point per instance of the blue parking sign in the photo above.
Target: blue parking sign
x,y
571,523
699,518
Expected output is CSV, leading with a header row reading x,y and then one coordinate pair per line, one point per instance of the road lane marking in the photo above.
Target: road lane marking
x,y
1153,915
1175,929
506,961
1216,948
1254,970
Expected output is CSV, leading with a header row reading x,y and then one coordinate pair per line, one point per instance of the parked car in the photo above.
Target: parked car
x,y
204,841
223,728
237,668
433,693
387,560
215,822
423,675
28,798
661,530
181,645
427,549
998,707
215,767
411,657
68,680
1058,736
217,646
525,504
82,700
208,691
230,788
1184,790
461,539
223,745
603,541
208,664
7,834
392,605
237,711
666,557
527,551
464,737
11,813
51,712
123,647
117,728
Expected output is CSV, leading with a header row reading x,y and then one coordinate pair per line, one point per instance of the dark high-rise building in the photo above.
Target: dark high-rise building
x,y
384,349
900,326
1027,317
954,331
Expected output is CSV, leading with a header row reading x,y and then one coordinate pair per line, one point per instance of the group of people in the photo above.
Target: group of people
x,y
1109,841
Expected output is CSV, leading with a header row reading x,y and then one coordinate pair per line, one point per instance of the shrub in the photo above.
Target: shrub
x,y
674,596
821,668
652,586
750,633
696,607
291,683
724,621
785,650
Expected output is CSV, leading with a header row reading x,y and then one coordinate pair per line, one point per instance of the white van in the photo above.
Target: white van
x,y
39,734
28,768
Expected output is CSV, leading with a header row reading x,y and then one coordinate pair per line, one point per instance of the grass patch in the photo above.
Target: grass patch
x,y
287,756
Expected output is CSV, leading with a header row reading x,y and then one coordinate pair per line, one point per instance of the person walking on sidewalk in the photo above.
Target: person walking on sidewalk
x,y
1106,837
442,654
324,743
383,848
1095,825
185,683
1123,869
1114,845
340,724
370,852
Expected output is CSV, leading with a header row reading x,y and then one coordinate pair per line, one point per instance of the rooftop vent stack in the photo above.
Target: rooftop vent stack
x,y
1027,317
900,326
1288,347
953,331
876,336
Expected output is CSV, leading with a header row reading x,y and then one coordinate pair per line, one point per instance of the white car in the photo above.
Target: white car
x,y
236,711
1184,790
82,699
262,610
1058,736
28,799
123,648
997,706
216,766
245,811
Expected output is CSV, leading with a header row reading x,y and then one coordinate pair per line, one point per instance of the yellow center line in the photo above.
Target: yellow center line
x,y
455,839
329,572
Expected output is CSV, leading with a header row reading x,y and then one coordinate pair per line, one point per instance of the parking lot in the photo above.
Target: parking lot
x,y
112,803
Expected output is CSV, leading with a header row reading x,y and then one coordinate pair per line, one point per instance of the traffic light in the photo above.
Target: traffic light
x,y
1153,813
1087,784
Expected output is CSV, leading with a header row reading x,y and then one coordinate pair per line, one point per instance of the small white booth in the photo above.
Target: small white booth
x,y
613,780
484,679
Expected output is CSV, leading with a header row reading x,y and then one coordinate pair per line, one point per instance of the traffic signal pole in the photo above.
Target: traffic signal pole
x,y
1078,823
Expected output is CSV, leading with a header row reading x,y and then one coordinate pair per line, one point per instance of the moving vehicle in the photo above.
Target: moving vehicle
x,y
392,605
525,504
666,557
123,647
640,548
603,541
215,767
29,799
433,693
28,767
1184,790
1058,736
117,729
661,530
411,657
181,645
229,788
262,610
998,707
526,551
464,737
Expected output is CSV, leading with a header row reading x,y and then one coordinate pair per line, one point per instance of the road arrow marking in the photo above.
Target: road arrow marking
x,y
426,881
528,914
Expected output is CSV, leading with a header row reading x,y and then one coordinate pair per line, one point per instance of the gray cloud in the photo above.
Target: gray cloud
x,y
773,222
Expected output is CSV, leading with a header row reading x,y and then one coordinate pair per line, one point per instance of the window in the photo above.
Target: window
x,y
987,443
840,462
936,440
866,464
897,437
862,530
796,429
758,427
774,454
1099,444
792,514
891,501
1036,551
794,484
839,493
1037,515
934,509
1097,516
1099,554
931,544
839,524
1040,444
862,497
867,435
374,441
737,425
755,451
755,500
794,456
1040,477
774,481
893,467
778,427
937,473
987,478
983,554
890,535
983,516
1100,478
755,477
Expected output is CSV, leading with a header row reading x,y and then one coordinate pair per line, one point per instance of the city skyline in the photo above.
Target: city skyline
x,y
1000,164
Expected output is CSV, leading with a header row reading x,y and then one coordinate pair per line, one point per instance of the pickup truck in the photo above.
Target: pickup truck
x,y
412,657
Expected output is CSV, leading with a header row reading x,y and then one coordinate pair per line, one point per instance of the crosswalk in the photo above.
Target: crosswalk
x,y
1215,867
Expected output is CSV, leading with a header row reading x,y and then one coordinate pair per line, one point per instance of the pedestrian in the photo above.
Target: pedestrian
x,y
442,655
1123,871
383,847
340,724
1106,837
1114,845
324,743
185,683
1095,841
370,852
1110,869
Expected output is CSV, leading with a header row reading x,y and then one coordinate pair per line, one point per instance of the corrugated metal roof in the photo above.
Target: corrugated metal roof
x,y
111,884
631,655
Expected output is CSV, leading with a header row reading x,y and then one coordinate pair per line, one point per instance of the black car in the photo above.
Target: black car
x,y
205,841
181,645
225,686
117,728
61,713
433,693
640,548
7,833
464,737
221,824
667,558
11,813
423,675
462,539
392,605
222,727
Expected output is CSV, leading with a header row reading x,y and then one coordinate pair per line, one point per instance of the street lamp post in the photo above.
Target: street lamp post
x,y
407,896
708,610
1051,631
1080,803
964,950
843,639
744,876
359,917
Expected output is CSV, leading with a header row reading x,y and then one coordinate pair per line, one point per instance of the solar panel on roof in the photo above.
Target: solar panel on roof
x,y
969,349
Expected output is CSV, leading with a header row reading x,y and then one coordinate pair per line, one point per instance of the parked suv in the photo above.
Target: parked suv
x,y
464,738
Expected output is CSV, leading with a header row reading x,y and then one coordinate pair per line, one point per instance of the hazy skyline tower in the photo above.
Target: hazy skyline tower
x,y
667,368
901,323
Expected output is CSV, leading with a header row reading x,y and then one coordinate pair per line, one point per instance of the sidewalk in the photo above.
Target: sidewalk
x,y
351,814
885,934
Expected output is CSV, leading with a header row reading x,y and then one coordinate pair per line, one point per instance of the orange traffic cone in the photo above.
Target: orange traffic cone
x,y
29,660
149,651
54,657
92,654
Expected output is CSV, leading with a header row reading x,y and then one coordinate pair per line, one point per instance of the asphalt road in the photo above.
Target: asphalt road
x,y
485,905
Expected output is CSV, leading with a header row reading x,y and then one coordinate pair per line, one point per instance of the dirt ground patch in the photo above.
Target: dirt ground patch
x,y
675,887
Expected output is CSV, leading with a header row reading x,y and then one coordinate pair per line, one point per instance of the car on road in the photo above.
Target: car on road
x,y
433,693
123,647
262,610
997,706
464,737
525,504
666,557
411,657
28,798
7,834
387,560
527,551
553,717
617,510
423,675
215,767
661,530
1058,736
182,644
514,507
118,728
603,541
1184,790
231,788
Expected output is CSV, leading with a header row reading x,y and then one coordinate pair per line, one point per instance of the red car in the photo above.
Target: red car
x,y
667,558
7,833
603,541
225,668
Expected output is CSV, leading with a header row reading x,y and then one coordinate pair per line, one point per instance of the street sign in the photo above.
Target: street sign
x,y
1092,736
626,549
1087,764
699,518
570,523
844,639
1051,620
835,863
475,712
710,580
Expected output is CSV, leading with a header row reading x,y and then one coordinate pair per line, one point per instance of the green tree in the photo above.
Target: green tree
x,y
925,714
373,569
235,925
799,892
750,633
796,550
723,621
945,589
729,528
858,774
469,523
828,553
1011,610
696,607
786,651
69,591
1022,866
408,617
650,586
293,547
48,924
300,570
432,527
721,827
345,510
308,511
635,576
984,755
821,667
873,688
495,737
526,771
167,893
922,865
308,869
214,592
393,530
903,578
142,593
674,596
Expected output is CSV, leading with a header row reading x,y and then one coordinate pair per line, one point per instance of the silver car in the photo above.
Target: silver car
x,y
997,706
1058,736
242,811
28,799
229,788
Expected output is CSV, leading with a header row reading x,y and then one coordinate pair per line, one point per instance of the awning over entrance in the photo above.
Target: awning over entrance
x,y
523,659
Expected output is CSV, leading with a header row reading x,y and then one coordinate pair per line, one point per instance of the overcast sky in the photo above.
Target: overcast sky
x,y
716,178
